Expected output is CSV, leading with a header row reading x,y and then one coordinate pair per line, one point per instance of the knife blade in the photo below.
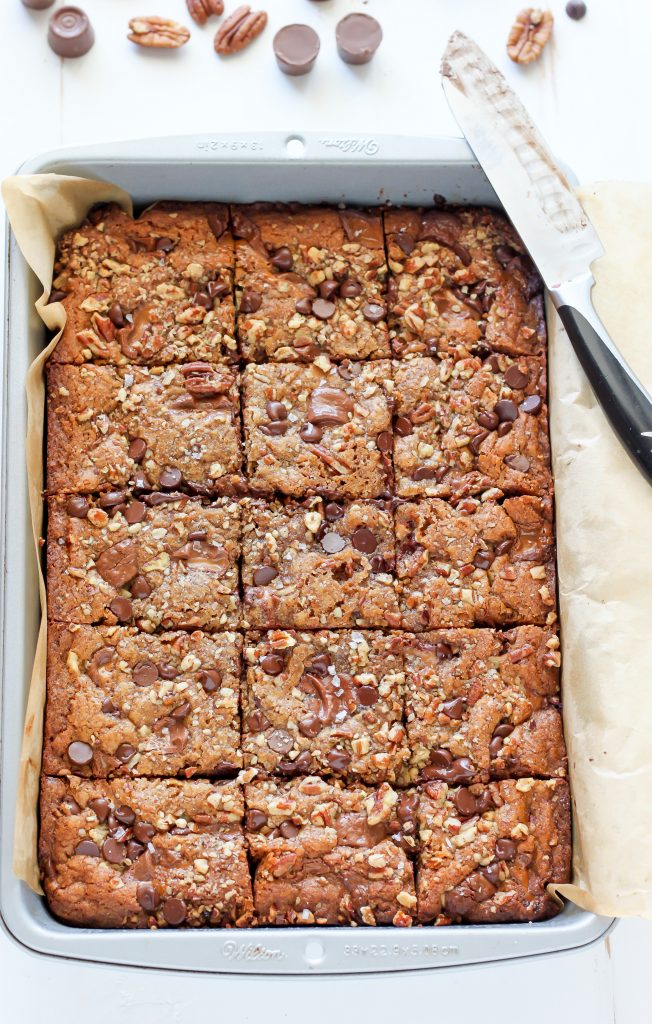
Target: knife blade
x,y
554,227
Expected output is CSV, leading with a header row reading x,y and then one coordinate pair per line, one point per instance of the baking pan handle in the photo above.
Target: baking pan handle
x,y
265,148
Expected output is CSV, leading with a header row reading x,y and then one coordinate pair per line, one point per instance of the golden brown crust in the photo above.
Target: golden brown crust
x,y
331,855
460,277
483,703
156,852
176,568
327,702
493,862
145,705
465,425
334,416
113,427
298,254
150,291
479,563
318,563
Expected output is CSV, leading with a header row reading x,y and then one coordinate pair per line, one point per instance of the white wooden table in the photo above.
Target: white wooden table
x,y
590,94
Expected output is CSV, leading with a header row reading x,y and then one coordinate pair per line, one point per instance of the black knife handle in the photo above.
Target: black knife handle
x,y
624,400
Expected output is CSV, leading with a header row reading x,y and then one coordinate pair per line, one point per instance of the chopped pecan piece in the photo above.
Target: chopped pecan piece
x,y
239,29
529,34
160,33
201,10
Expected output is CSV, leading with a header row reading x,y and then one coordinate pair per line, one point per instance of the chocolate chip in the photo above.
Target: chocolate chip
x,y
339,760
257,721
272,664
140,588
210,680
255,820
264,575
465,803
144,832
87,848
303,306
519,463
118,564
514,377
489,420
327,289
80,753
350,288
332,543
483,559
323,309
576,9
145,673
169,478
276,411
56,295
443,650
217,289
492,873
147,896
504,729
506,410
112,498
101,807
504,254
349,370
289,830
363,540
217,222
441,758
505,849
455,708
178,735
137,449
167,671
333,511
532,405
310,433
125,752
125,814
424,473
113,851
77,506
403,426
135,512
310,725
165,245
475,444
504,429
367,696
373,312
109,708
250,301
384,441
70,804
175,911
134,850
276,428
202,299
461,770
321,664
282,260
503,547
280,741
181,711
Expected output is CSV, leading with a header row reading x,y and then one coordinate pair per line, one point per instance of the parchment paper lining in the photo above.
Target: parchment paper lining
x,y
604,515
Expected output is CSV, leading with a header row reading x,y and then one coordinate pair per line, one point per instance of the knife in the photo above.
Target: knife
x,y
553,226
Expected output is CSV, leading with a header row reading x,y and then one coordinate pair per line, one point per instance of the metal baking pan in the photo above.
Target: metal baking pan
x,y
239,168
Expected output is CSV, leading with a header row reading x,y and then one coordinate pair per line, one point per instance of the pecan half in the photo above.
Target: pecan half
x,y
160,33
201,10
529,34
239,29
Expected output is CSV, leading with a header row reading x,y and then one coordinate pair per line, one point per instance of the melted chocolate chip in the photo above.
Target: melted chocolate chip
x,y
264,575
87,848
145,673
272,664
77,506
255,820
79,753
250,301
514,377
363,540
310,433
